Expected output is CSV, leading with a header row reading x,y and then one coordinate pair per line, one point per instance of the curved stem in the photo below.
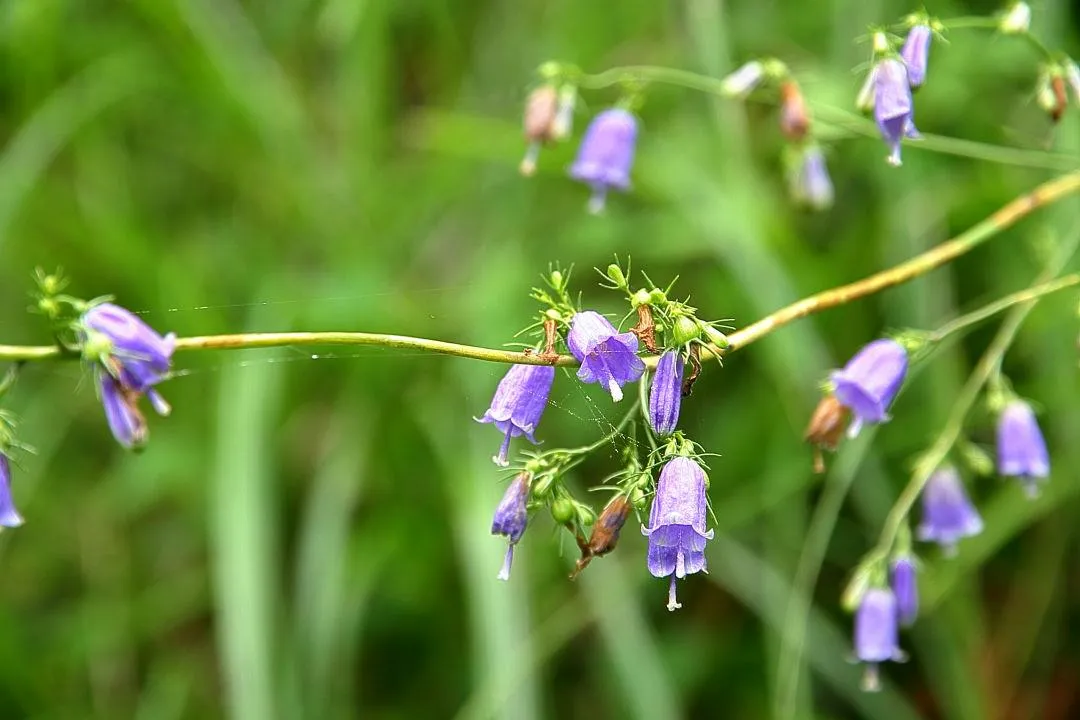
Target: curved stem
x,y
988,311
1045,194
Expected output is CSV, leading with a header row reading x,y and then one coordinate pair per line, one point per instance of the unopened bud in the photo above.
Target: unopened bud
x,y
564,113
880,43
639,499
977,459
1016,19
657,296
540,111
542,487
794,117
685,330
716,337
556,279
864,102
742,82
641,297
605,533
562,510
615,273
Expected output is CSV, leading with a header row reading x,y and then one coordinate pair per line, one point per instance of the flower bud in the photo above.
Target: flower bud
x,y
542,487
615,273
539,117
794,117
1016,19
641,297
562,510
657,296
716,337
639,499
685,330
742,82
564,113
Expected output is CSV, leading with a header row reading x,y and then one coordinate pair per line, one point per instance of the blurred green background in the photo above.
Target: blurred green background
x,y
308,537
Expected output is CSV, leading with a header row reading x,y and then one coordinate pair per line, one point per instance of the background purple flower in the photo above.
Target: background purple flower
x,y
948,515
511,518
1021,449
870,381
876,632
809,181
665,397
9,516
607,357
915,54
676,528
905,588
606,154
892,105
518,404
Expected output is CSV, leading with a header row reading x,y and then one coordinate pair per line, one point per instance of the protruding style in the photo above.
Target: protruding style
x,y
676,529
607,356
1021,449
606,155
518,404
948,515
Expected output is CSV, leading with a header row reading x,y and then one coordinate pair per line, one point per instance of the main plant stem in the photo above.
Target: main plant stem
x,y
1045,194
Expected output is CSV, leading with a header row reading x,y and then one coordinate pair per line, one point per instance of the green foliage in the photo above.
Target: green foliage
x,y
308,536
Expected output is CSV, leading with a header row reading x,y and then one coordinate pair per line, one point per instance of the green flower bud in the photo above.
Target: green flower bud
x,y
639,499
615,273
641,297
714,336
657,296
685,330
542,487
586,515
556,279
562,510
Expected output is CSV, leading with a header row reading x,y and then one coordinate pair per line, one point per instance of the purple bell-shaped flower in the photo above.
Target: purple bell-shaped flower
x,y
948,515
905,588
676,529
606,155
1021,449
892,105
607,356
870,381
876,633
519,402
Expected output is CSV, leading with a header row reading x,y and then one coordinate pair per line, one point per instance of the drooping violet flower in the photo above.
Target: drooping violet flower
x,y
511,517
607,357
676,530
130,358
9,516
915,54
948,515
519,402
870,381
1021,449
666,393
892,105
126,421
129,349
876,633
809,181
905,588
606,155
741,82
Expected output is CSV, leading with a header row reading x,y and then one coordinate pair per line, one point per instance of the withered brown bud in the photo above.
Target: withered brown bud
x,y
826,428
794,117
646,328
551,336
695,370
1061,98
605,533
541,109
